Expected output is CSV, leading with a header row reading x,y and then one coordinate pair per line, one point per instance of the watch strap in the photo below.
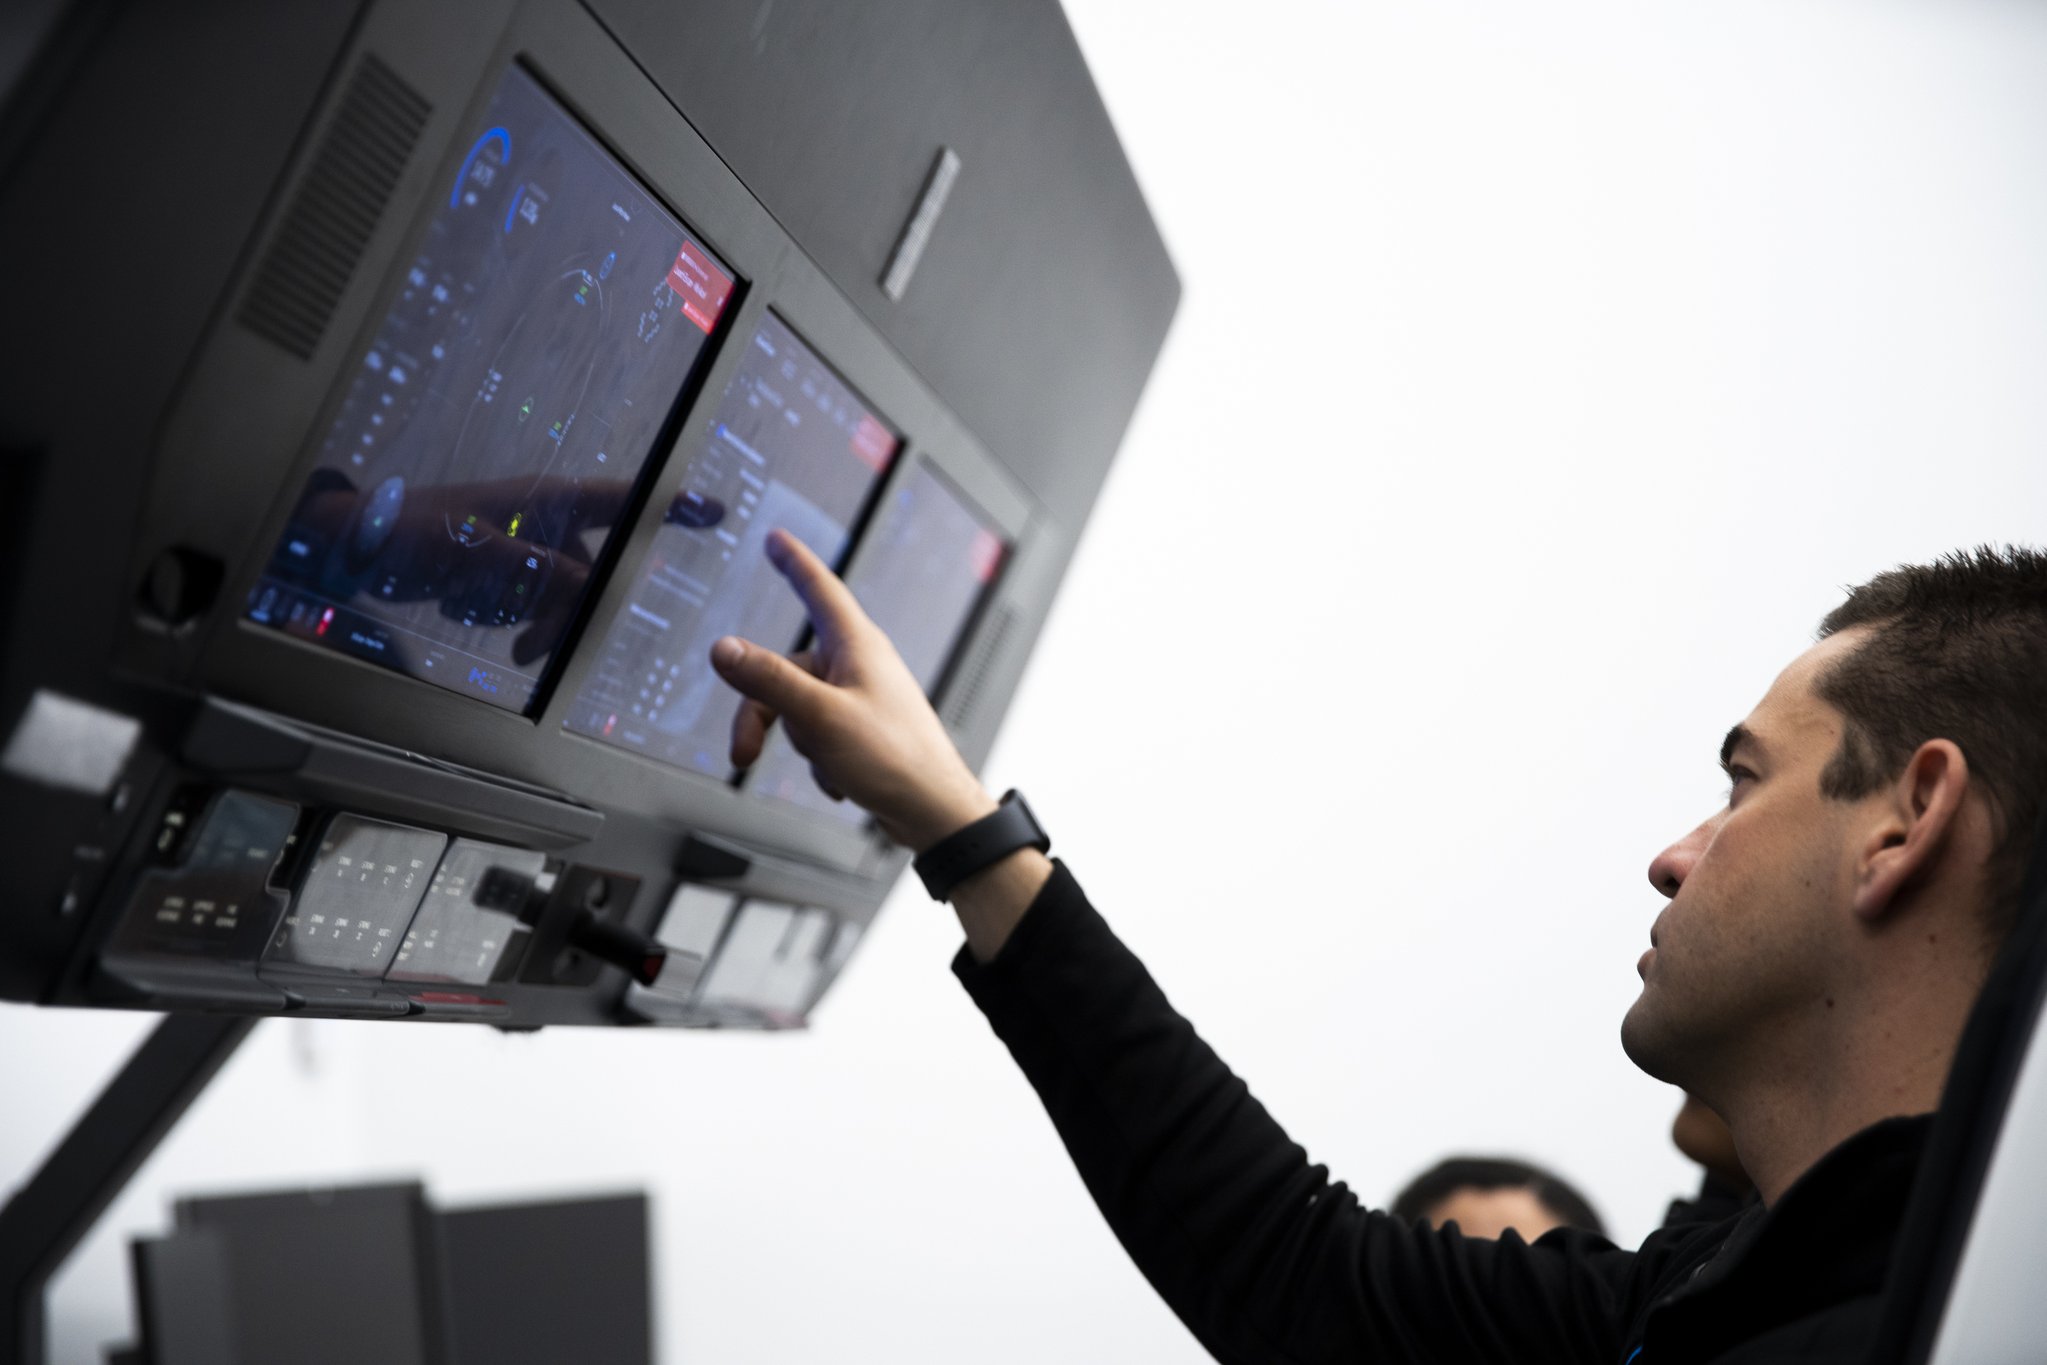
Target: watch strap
x,y
988,840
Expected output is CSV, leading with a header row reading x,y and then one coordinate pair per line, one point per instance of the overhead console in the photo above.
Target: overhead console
x,y
382,490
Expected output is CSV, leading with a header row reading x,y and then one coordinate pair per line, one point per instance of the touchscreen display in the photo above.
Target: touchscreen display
x,y
790,446
493,431
926,563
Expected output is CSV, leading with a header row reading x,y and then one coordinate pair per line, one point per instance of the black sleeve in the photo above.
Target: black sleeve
x,y
1260,1254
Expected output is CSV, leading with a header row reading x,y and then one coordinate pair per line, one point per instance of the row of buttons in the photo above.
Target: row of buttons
x,y
452,909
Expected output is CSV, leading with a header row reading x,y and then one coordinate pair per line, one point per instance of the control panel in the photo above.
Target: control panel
x,y
354,649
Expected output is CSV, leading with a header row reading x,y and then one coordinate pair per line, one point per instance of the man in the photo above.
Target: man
x,y
1826,933
1490,1196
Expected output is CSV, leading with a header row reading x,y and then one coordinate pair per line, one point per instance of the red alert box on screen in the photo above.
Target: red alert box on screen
x,y
702,287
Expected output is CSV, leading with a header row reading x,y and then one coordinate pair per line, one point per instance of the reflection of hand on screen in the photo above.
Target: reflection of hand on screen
x,y
471,545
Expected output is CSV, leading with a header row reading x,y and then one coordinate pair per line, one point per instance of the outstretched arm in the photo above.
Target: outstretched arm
x,y
1258,1251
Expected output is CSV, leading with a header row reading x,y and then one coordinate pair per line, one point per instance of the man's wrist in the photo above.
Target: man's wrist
x,y
945,864
949,816
991,903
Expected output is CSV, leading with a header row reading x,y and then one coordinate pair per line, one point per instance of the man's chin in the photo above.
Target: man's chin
x,y
1646,1039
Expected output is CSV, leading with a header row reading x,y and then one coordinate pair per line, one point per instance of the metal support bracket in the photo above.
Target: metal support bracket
x,y
48,1216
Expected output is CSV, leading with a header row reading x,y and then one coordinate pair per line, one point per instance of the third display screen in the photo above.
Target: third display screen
x,y
923,569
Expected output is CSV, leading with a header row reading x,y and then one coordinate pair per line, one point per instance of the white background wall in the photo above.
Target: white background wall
x,y
1543,371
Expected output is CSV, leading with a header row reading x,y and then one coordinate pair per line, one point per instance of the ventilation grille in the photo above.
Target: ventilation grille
x,y
335,210
972,679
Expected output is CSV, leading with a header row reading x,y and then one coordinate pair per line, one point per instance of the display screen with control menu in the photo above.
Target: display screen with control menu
x,y
926,564
493,432
790,446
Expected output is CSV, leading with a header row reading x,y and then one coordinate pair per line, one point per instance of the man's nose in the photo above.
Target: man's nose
x,y
1668,869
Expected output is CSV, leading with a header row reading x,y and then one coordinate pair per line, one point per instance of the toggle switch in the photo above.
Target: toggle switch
x,y
641,957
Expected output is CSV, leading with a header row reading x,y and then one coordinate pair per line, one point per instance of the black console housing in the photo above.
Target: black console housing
x,y
300,708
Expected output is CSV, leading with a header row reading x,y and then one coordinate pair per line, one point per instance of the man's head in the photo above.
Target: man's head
x,y
1850,894
1487,1196
1957,650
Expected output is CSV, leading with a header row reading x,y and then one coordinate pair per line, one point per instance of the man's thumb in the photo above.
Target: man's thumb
x,y
764,675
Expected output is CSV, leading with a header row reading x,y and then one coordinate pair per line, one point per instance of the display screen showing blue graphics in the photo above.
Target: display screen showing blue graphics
x,y
494,431
790,446
924,566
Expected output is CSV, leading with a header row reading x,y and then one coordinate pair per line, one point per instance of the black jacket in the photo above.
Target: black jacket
x,y
1266,1260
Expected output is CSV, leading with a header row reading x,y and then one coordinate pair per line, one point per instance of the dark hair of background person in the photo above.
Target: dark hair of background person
x,y
1959,652
1452,1174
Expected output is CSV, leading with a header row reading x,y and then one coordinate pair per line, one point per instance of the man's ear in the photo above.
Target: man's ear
x,y
1920,811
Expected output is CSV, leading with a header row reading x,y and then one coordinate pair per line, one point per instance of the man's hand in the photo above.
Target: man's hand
x,y
850,706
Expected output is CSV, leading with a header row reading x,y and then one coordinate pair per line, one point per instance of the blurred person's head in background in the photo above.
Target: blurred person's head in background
x,y
1703,1137
1725,1189
1488,1196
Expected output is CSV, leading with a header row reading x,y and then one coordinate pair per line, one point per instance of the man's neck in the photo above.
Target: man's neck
x,y
1798,1104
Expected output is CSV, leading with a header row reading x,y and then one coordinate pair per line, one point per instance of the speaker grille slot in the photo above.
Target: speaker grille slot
x,y
964,695
335,210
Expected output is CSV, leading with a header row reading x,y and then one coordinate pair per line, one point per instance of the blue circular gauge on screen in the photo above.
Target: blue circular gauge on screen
x,y
488,155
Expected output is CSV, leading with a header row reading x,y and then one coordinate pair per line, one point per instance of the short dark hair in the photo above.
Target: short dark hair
x,y
1958,651
1452,1174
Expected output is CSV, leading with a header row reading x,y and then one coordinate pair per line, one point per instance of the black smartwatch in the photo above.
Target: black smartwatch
x,y
988,840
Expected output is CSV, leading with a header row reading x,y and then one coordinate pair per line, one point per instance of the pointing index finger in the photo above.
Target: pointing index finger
x,y
834,613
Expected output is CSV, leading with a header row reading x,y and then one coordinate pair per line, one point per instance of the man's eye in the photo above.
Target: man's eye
x,y
1736,776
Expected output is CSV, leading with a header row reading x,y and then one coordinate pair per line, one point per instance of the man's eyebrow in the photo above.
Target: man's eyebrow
x,y
1737,735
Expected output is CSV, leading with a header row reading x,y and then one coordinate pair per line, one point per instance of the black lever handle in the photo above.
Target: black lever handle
x,y
608,941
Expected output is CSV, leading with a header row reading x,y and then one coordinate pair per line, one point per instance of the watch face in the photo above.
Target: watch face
x,y
1014,799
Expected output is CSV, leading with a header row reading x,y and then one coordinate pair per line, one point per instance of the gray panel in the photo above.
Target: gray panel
x,y
543,1284
1993,1316
327,1277
182,1299
314,254
823,111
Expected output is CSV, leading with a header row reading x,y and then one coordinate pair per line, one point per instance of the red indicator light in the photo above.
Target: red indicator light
x,y
701,286
987,556
874,443
326,620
